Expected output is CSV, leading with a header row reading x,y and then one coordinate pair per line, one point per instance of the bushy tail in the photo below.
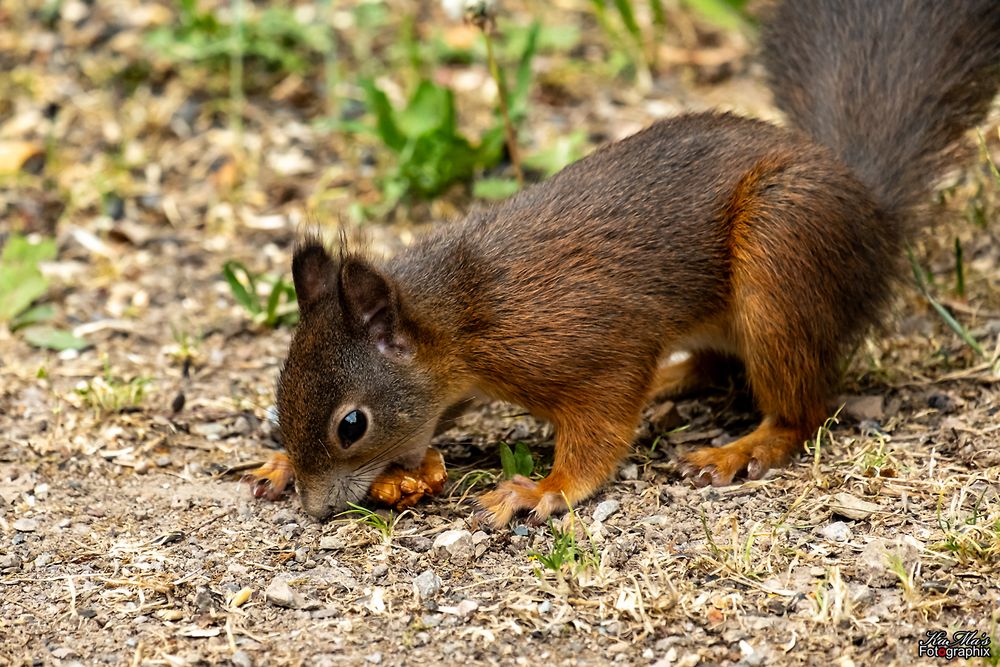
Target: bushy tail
x,y
890,85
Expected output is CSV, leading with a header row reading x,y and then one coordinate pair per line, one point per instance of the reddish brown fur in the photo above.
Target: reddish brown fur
x,y
718,235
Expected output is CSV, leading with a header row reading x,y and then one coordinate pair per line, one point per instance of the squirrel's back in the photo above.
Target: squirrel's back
x,y
890,85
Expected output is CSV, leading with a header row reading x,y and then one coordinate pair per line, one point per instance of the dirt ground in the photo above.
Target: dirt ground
x,y
126,536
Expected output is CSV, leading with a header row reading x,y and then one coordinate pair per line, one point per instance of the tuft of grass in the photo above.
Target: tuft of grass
x,y
832,598
567,556
269,300
823,434
974,538
273,40
384,526
109,394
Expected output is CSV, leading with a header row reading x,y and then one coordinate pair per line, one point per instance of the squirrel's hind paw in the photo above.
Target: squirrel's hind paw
x,y
519,494
752,455
271,479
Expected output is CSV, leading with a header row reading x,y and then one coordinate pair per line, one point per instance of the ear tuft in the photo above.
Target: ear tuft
x,y
313,272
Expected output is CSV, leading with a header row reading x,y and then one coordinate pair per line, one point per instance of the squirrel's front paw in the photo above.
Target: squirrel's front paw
x,y
271,479
516,495
404,488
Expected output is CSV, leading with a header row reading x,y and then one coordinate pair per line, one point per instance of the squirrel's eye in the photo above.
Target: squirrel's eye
x,y
352,428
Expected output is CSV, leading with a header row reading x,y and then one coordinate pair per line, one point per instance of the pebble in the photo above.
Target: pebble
x,y
26,525
163,462
329,543
838,531
241,659
605,509
42,560
846,505
466,607
380,571
282,517
9,561
374,658
544,607
458,543
209,430
861,408
629,472
42,491
280,594
521,531
141,467
426,585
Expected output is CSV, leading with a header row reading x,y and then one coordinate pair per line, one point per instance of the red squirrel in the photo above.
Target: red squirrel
x,y
722,236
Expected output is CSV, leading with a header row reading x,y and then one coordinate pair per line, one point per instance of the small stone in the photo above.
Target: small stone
x,y
480,536
9,562
466,607
851,507
241,659
861,408
26,525
838,531
380,571
42,560
280,594
458,543
426,585
605,509
282,517
544,607
163,462
141,467
521,531
241,425
209,430
374,658
42,491
629,472
329,543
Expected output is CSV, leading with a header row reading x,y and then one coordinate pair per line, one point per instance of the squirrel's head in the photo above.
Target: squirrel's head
x,y
352,397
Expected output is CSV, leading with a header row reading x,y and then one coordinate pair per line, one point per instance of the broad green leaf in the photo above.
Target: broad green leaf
x,y
523,461
431,108
19,287
565,150
246,296
19,250
507,461
50,338
36,315
385,122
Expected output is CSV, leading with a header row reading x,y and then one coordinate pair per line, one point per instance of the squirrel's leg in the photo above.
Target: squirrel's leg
x,y
587,451
270,480
789,389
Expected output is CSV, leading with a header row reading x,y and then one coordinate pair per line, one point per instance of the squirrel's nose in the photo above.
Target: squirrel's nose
x,y
315,505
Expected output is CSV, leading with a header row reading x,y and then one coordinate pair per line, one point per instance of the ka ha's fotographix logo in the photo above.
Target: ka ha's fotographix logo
x,y
963,644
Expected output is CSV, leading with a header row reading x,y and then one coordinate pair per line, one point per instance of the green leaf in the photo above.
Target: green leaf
x,y
725,14
19,250
524,463
50,338
628,19
246,296
522,85
36,315
19,286
385,122
430,109
494,188
507,461
565,150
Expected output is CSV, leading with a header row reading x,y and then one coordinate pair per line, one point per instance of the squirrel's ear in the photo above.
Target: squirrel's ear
x,y
313,273
370,300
